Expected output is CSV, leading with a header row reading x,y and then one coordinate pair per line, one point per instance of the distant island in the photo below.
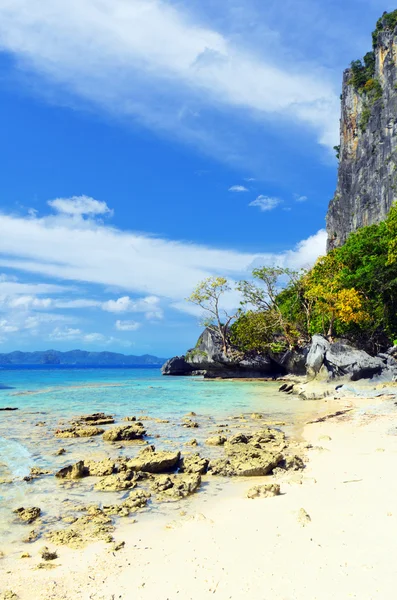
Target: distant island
x,y
79,358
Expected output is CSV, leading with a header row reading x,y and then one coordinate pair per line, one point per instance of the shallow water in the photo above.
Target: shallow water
x,y
49,398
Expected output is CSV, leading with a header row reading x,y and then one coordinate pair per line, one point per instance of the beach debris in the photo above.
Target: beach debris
x,y
95,419
217,440
189,424
175,487
76,471
303,517
60,452
9,595
8,408
25,555
325,438
47,555
2,555
117,546
137,500
192,442
28,515
79,432
264,491
338,413
99,468
125,432
193,463
150,461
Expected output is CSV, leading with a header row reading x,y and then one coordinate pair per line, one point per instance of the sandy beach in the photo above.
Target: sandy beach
x,y
229,546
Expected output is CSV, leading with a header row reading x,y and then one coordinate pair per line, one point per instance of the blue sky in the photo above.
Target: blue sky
x,y
147,144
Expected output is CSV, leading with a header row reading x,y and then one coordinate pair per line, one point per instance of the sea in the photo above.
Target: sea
x,y
48,398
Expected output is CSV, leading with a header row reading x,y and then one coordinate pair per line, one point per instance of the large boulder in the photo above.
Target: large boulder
x,y
177,366
150,461
315,358
125,433
342,359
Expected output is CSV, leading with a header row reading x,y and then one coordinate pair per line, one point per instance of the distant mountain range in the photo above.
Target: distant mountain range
x,y
79,358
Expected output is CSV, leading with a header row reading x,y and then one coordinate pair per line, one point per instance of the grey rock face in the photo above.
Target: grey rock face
x,y
342,359
315,358
177,366
367,178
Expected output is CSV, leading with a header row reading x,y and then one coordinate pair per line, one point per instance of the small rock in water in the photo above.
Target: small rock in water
x,y
189,424
191,414
303,517
256,416
192,442
25,555
124,432
60,452
32,537
217,440
46,554
76,471
264,491
28,515
9,408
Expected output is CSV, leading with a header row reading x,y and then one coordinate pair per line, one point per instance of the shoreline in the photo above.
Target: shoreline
x,y
235,547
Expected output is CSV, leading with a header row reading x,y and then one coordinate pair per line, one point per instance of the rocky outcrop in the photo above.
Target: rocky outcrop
x,y
367,176
28,515
329,361
209,359
150,461
177,366
125,433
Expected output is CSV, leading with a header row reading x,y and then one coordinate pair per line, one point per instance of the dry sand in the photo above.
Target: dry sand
x,y
230,547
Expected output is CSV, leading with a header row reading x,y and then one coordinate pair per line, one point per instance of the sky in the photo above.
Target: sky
x,y
148,144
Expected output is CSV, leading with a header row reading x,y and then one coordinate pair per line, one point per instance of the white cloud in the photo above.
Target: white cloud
x,y
265,203
153,61
127,325
238,188
137,263
149,305
29,302
7,327
299,198
79,205
65,333
93,338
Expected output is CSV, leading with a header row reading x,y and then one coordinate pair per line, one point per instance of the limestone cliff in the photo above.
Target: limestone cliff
x,y
367,178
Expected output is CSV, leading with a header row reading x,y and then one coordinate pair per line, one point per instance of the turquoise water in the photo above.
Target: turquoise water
x,y
48,399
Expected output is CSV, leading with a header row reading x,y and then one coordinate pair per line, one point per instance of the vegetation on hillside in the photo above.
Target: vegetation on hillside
x,y
351,292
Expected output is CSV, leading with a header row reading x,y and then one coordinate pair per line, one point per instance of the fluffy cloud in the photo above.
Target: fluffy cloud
x,y
134,262
127,325
265,203
79,205
149,305
299,198
154,61
238,188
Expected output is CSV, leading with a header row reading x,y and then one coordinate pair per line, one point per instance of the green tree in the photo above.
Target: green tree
x,y
208,295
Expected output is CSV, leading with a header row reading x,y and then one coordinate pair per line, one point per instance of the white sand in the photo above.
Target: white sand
x,y
232,547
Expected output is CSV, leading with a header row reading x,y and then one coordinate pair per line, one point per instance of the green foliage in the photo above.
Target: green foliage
x,y
388,21
253,331
350,292
364,119
337,151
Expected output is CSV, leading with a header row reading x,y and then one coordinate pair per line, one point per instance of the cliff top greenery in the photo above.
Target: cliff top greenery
x,y
388,21
351,292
